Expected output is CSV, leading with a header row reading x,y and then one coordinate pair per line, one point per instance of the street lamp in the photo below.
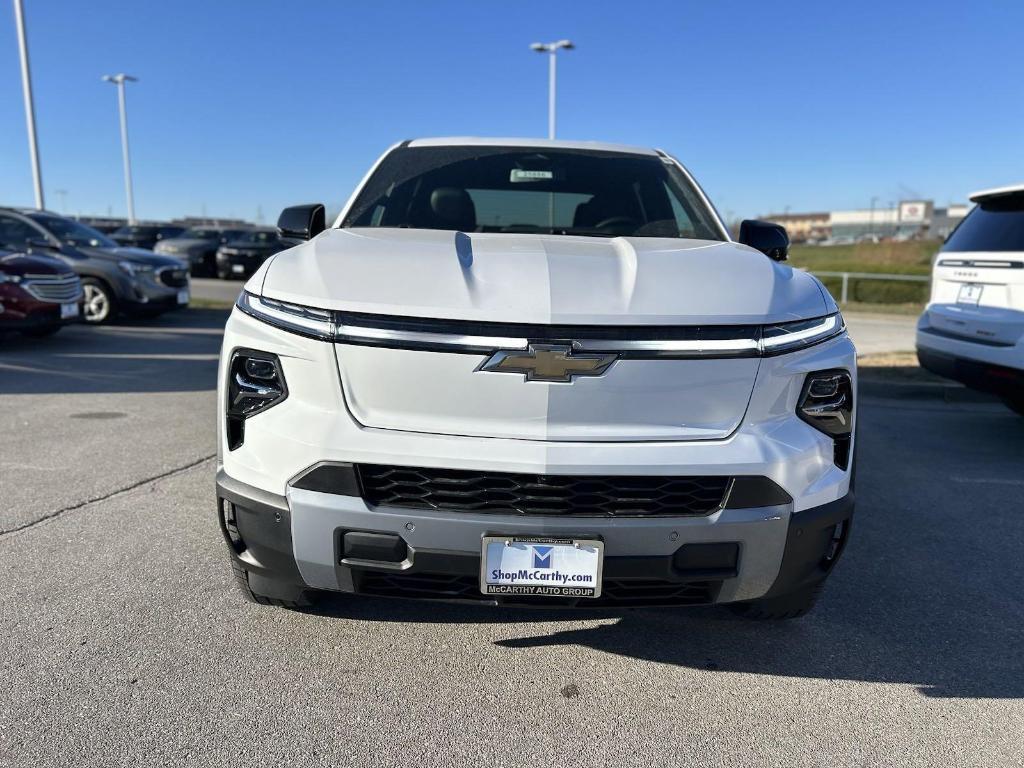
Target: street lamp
x,y
30,111
119,80
552,50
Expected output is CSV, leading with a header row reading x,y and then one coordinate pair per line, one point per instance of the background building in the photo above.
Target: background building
x,y
802,226
907,220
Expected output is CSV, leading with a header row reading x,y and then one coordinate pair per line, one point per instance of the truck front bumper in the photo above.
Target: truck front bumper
x,y
296,542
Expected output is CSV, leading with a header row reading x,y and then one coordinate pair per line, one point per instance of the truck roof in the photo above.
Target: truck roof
x,y
477,141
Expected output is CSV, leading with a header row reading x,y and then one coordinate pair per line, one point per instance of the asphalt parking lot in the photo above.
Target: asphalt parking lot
x,y
123,641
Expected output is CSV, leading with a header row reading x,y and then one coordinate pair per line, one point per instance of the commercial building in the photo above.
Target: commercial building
x,y
907,220
803,226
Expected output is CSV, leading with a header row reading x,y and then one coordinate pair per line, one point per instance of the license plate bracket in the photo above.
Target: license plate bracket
x,y
68,310
970,293
541,566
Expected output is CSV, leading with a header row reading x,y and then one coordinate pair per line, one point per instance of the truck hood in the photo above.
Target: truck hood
x,y
542,279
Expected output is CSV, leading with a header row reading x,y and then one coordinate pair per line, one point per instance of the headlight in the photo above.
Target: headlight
x,y
9,278
826,403
255,383
786,337
134,269
318,323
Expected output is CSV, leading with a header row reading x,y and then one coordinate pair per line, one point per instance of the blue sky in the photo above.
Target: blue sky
x,y
247,106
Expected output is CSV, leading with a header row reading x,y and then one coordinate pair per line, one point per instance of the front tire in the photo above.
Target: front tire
x,y
781,608
285,596
100,305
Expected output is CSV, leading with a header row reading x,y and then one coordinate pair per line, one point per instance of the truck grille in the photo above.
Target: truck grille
x,y
523,494
173,277
56,289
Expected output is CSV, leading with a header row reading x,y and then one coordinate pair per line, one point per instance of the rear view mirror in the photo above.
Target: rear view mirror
x,y
302,222
770,239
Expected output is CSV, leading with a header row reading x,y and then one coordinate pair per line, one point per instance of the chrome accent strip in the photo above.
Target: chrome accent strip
x,y
696,346
465,343
54,290
326,325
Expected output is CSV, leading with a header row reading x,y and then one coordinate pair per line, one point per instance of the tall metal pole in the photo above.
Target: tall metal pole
x,y
551,91
552,50
30,111
124,151
119,81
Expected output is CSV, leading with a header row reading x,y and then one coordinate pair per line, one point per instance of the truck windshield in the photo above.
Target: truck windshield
x,y
996,224
533,190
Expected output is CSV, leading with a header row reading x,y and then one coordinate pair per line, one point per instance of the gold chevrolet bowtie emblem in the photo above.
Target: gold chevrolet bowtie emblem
x,y
548,362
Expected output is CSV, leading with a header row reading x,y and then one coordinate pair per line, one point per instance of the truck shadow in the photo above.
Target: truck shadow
x,y
929,592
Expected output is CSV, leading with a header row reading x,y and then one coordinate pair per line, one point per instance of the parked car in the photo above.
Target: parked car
x,y
145,235
244,255
38,294
198,246
561,383
114,279
105,227
972,330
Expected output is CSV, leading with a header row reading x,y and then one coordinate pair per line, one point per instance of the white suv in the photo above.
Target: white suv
x,y
973,328
522,371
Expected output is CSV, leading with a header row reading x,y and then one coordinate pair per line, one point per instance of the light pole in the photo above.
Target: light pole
x,y
30,110
119,80
552,50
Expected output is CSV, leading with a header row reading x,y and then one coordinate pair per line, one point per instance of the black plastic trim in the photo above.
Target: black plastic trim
x,y
969,339
982,263
262,525
808,558
984,377
754,491
329,477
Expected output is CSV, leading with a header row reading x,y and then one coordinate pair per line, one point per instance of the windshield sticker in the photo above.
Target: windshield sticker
x,y
519,175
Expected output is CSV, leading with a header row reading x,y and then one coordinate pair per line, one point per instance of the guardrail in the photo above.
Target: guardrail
x,y
845,276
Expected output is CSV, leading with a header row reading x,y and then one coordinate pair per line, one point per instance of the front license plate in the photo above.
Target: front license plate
x,y
970,293
547,567
237,269
183,296
69,310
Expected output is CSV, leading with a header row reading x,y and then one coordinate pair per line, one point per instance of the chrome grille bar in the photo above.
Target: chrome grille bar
x,y
56,290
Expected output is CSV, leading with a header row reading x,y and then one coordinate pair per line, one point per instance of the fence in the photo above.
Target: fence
x,y
844,293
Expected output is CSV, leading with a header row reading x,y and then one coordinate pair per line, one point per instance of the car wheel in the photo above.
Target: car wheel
x,y
1015,403
791,606
223,273
43,332
100,305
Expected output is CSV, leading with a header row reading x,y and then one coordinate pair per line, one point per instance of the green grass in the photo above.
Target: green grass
x,y
882,308
912,258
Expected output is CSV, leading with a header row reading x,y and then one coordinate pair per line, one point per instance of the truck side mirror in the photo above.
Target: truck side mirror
x,y
302,222
770,239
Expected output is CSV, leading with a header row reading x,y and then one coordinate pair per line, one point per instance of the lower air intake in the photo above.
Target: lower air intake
x,y
525,494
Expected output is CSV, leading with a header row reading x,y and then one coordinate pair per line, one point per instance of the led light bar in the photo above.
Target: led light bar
x,y
699,342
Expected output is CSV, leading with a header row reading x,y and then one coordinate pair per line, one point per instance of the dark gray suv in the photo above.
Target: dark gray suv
x,y
114,279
